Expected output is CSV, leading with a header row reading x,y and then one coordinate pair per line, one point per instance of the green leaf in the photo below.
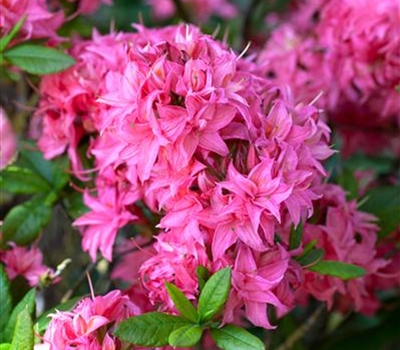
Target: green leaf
x,y
296,235
73,202
202,276
5,301
151,329
349,183
4,41
54,172
36,59
310,257
23,338
19,180
27,303
186,336
5,346
182,304
338,269
384,202
24,222
44,320
233,337
214,294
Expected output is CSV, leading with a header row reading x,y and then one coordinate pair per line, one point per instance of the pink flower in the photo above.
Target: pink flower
x,y
102,222
8,141
349,236
254,277
202,10
90,6
26,262
176,261
351,70
185,132
39,22
68,109
88,325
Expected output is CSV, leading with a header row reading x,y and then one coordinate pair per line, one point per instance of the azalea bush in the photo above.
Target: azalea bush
x,y
199,174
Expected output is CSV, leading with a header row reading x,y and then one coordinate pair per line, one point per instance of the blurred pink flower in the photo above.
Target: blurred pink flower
x,y
201,10
39,22
8,141
26,262
89,6
346,235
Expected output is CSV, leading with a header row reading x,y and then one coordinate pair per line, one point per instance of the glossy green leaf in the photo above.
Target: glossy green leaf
x,y
151,329
24,222
296,235
232,337
202,276
23,338
36,59
384,202
27,303
54,172
186,336
19,180
182,304
338,269
5,346
5,302
214,294
73,202
310,257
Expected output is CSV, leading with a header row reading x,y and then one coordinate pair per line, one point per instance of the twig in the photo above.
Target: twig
x,y
78,282
304,328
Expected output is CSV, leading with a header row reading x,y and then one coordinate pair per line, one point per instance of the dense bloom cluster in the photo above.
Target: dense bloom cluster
x,y
348,52
39,21
201,9
180,123
89,324
26,262
350,236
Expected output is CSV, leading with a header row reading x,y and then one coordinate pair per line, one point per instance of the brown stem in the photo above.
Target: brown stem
x,y
303,329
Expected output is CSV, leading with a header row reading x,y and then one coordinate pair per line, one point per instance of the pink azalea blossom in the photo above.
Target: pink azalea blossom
x,y
349,236
39,22
254,277
90,6
8,141
105,217
351,71
202,10
87,326
26,262
182,127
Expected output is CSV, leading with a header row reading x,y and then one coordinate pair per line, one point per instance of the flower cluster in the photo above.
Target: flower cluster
x,y
89,324
350,236
179,122
349,53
